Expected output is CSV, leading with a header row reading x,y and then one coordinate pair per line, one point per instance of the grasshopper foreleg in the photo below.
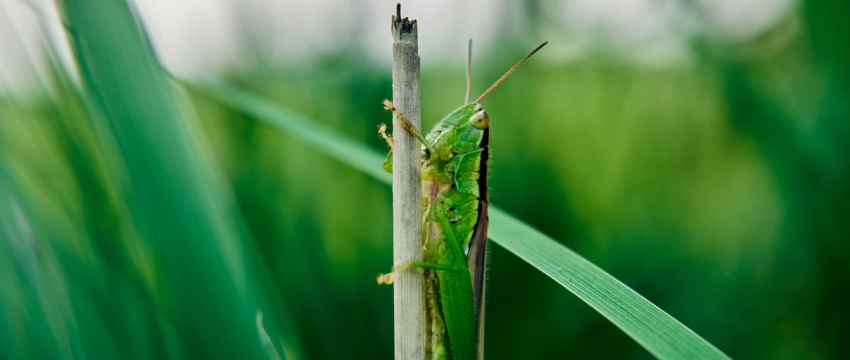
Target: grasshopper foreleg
x,y
408,126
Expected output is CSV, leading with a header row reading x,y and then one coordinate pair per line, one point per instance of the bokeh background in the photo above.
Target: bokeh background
x,y
696,150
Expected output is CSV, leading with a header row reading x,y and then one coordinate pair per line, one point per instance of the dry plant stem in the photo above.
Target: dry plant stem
x,y
408,302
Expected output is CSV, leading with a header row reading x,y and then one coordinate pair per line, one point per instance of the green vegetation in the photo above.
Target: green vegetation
x,y
144,219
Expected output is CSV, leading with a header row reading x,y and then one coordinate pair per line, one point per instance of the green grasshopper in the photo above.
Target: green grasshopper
x,y
454,230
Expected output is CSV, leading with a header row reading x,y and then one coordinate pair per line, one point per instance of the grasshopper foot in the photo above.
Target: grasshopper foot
x,y
382,130
388,279
388,105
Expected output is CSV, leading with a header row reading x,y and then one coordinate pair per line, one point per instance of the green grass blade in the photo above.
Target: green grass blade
x,y
32,287
179,203
651,327
655,330
323,140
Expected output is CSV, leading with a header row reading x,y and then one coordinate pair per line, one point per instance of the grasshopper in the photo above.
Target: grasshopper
x,y
454,230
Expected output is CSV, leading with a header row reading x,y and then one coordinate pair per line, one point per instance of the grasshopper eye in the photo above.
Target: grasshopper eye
x,y
480,120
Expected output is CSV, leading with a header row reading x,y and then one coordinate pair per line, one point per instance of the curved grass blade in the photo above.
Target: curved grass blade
x,y
654,329
325,141
658,332
179,203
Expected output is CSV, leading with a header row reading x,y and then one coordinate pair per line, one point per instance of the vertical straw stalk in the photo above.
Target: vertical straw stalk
x,y
407,227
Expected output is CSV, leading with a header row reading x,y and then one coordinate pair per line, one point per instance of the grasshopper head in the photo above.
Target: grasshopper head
x,y
460,132
480,120
470,129
463,130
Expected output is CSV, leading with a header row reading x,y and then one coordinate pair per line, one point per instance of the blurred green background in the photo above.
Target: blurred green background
x,y
695,150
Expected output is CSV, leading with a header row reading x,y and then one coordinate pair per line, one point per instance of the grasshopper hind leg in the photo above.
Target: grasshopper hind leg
x,y
387,279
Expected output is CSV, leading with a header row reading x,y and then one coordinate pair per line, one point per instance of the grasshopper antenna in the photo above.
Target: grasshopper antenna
x,y
510,71
468,72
